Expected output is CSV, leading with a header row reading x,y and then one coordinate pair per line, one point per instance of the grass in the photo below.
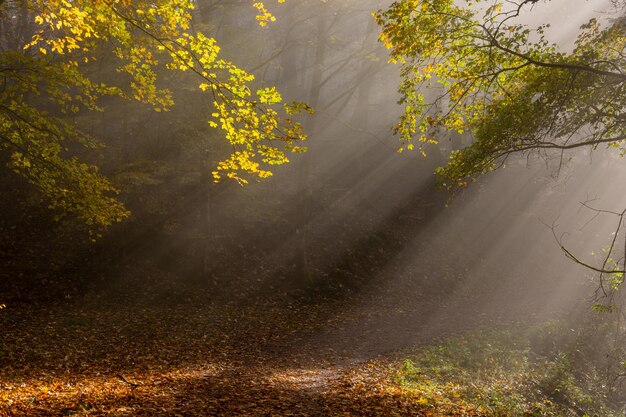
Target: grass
x,y
506,373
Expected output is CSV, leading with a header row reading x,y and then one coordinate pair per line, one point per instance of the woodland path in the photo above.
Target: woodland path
x,y
195,358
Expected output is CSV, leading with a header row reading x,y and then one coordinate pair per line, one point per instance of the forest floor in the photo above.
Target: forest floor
x,y
191,357
150,342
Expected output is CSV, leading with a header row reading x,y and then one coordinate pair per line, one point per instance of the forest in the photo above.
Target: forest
x,y
312,208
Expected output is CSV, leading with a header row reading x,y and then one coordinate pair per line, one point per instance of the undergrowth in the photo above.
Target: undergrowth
x,y
509,373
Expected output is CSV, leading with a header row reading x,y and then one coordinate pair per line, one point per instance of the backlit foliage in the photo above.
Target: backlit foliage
x,y
46,82
503,82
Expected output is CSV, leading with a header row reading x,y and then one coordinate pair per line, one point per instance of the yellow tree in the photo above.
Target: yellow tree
x,y
46,80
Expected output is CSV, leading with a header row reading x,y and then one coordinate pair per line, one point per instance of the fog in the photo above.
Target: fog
x,y
354,219
352,243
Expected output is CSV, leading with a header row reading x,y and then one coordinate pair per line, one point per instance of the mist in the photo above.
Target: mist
x,y
349,253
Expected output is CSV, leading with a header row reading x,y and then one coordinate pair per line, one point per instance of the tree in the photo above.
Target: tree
x,y
48,82
505,84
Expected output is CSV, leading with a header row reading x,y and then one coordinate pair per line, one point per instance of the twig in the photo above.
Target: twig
x,y
133,385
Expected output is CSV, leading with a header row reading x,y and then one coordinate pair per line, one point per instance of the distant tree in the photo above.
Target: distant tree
x,y
46,64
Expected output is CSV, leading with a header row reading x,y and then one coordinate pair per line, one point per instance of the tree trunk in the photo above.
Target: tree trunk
x,y
304,190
